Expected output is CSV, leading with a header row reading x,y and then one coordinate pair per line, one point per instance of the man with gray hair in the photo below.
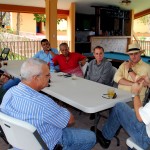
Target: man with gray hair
x,y
26,103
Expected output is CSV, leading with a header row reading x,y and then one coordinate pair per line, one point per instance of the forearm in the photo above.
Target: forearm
x,y
133,75
52,53
137,105
125,82
71,120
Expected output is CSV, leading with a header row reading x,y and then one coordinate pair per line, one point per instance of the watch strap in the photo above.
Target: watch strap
x,y
130,70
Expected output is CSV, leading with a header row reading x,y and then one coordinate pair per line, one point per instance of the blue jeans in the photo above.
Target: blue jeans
x,y
77,139
123,115
10,83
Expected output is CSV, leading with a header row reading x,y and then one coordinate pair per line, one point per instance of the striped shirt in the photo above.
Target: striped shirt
x,y
26,104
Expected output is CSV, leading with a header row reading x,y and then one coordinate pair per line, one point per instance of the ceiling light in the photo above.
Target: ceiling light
x,y
126,2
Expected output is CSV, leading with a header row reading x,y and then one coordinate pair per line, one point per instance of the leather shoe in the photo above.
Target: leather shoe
x,y
92,116
100,138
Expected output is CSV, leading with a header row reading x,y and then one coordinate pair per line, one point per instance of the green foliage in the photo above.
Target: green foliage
x,y
142,38
40,17
59,20
145,19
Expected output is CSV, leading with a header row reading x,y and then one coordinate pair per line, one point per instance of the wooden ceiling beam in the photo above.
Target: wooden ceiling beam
x,y
141,14
28,9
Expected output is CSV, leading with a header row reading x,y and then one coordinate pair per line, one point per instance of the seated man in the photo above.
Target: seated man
x,y
47,54
6,82
129,71
26,103
69,62
100,69
133,121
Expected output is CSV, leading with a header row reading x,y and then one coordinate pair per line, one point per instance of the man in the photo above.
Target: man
x,y
6,82
25,102
135,122
47,54
69,62
129,71
100,69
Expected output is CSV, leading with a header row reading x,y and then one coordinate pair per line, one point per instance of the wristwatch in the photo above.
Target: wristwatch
x,y
130,70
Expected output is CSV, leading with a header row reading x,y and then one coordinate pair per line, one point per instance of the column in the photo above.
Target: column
x,y
51,21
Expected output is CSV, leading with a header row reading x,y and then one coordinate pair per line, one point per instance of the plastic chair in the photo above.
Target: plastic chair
x,y
113,83
21,134
4,54
132,144
84,68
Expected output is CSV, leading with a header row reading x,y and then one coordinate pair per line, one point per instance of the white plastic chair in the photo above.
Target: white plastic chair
x,y
114,84
84,68
132,144
21,134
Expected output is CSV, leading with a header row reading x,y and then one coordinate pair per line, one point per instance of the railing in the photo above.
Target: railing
x,y
20,50
145,45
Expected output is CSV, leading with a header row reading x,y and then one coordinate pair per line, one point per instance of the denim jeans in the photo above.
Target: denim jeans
x,y
77,139
10,83
123,115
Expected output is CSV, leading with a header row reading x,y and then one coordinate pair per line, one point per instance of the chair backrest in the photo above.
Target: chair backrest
x,y
132,144
21,134
4,54
84,68
114,84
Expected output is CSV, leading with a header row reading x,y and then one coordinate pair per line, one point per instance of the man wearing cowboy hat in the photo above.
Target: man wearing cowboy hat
x,y
131,70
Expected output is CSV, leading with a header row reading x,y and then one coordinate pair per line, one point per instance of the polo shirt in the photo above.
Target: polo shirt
x,y
71,65
24,103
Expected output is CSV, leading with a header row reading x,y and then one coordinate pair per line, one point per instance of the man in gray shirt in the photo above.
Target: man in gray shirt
x,y
100,69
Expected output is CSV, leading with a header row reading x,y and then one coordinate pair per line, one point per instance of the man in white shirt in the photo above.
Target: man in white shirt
x,y
134,122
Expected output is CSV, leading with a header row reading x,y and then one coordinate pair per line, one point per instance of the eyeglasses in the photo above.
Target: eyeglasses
x,y
47,75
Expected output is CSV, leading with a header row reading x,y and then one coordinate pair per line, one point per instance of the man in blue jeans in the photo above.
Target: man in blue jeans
x,y
6,82
134,122
52,121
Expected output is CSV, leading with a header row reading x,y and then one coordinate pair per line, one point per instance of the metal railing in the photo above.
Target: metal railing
x,y
20,50
145,45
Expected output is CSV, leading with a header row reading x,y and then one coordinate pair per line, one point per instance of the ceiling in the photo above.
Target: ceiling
x,y
84,6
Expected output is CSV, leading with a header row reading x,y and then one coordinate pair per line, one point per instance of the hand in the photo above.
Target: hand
x,y
128,65
137,87
144,78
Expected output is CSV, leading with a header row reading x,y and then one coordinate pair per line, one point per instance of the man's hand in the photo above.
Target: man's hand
x,y
144,78
82,62
128,65
137,87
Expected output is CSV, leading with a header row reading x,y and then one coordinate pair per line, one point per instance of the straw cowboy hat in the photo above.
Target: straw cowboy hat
x,y
134,48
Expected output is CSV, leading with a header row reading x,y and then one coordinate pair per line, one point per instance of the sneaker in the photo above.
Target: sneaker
x,y
100,138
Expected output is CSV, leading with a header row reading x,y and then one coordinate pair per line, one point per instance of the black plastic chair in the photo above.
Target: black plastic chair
x,y
4,54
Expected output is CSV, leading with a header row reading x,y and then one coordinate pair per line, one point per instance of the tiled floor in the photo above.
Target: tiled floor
x,y
83,121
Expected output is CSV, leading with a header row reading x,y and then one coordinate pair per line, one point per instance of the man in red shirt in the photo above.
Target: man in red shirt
x,y
69,62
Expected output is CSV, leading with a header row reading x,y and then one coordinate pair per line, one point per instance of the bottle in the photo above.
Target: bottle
x,y
52,68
